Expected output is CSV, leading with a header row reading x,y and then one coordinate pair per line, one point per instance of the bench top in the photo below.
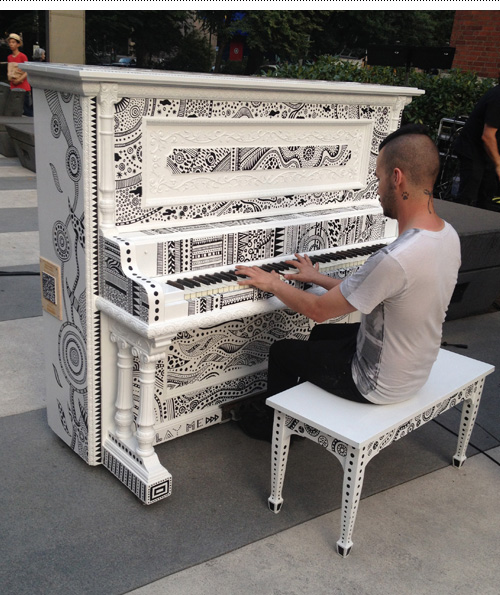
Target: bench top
x,y
359,423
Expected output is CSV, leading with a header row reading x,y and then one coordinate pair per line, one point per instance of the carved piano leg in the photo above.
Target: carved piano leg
x,y
124,399
145,422
132,458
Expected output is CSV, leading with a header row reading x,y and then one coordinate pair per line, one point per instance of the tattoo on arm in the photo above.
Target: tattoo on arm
x,y
429,203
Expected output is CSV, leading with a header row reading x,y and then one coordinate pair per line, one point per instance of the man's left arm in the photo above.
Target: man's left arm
x,y
490,143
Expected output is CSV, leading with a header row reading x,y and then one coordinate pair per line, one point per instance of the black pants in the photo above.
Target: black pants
x,y
478,182
324,360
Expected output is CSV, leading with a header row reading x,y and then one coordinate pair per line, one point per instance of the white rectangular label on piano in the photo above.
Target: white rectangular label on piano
x,y
195,161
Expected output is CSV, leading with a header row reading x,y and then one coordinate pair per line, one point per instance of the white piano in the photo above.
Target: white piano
x,y
152,186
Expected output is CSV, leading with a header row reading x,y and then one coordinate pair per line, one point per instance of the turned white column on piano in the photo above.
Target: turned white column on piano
x,y
152,186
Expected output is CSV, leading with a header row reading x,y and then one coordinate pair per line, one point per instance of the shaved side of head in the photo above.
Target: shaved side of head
x,y
411,149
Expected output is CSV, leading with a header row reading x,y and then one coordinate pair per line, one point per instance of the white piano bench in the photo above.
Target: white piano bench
x,y
356,432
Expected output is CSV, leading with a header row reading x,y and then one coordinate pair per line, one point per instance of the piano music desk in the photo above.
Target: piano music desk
x,y
356,432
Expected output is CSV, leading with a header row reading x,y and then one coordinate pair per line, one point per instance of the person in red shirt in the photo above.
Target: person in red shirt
x,y
20,82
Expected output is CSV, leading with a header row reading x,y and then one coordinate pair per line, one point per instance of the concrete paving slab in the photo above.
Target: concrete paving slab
x,y
17,199
19,248
494,453
9,161
21,182
14,170
420,538
480,334
21,366
14,220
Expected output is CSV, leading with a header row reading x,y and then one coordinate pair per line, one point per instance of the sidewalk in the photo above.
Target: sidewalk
x,y
422,528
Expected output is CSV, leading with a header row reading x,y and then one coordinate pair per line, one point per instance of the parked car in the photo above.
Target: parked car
x,y
130,61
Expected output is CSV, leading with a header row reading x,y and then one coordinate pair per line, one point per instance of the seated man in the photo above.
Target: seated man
x,y
402,291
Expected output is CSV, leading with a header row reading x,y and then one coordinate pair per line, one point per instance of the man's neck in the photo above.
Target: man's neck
x,y
420,220
15,52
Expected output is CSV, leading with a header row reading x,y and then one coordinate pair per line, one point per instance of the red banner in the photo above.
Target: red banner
x,y
236,51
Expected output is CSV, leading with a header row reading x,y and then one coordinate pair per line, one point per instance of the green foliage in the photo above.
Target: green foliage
x,y
450,95
152,31
193,54
348,30
266,33
284,32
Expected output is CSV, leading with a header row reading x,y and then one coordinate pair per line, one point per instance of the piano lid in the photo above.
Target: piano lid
x,y
89,79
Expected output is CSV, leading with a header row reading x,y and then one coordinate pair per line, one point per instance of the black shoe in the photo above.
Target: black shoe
x,y
256,421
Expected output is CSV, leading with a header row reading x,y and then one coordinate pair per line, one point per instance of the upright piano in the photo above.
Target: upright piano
x,y
152,186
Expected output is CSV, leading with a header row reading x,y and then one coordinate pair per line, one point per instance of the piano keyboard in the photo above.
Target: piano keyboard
x,y
225,281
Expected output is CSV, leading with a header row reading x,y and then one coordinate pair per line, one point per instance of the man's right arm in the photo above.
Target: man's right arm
x,y
489,139
309,273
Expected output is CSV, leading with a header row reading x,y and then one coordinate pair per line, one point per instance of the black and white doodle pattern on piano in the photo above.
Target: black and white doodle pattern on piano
x,y
128,289
68,242
129,113
189,160
211,366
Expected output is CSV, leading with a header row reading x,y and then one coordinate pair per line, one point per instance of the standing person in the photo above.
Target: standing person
x,y
20,82
402,291
477,148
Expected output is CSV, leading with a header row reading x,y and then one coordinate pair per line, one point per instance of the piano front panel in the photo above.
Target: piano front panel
x,y
211,176
209,367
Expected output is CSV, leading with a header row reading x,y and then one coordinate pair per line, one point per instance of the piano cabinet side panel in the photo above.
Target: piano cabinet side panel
x,y
65,153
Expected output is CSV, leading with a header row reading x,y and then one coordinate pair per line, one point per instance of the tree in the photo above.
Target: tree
x,y
152,31
286,34
267,33
353,30
222,24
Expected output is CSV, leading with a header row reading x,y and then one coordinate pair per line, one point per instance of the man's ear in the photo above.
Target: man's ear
x,y
397,176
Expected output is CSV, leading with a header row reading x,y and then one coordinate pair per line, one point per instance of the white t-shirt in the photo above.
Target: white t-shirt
x,y
403,292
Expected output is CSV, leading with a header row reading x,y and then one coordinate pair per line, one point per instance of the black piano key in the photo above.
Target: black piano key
x,y
227,276
238,274
218,276
320,258
212,278
189,283
175,284
204,280
281,266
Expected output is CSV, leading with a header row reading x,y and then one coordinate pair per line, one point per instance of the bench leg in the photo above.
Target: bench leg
x,y
469,413
354,471
280,448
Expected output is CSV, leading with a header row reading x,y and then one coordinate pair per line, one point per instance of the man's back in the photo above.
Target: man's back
x,y
403,292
